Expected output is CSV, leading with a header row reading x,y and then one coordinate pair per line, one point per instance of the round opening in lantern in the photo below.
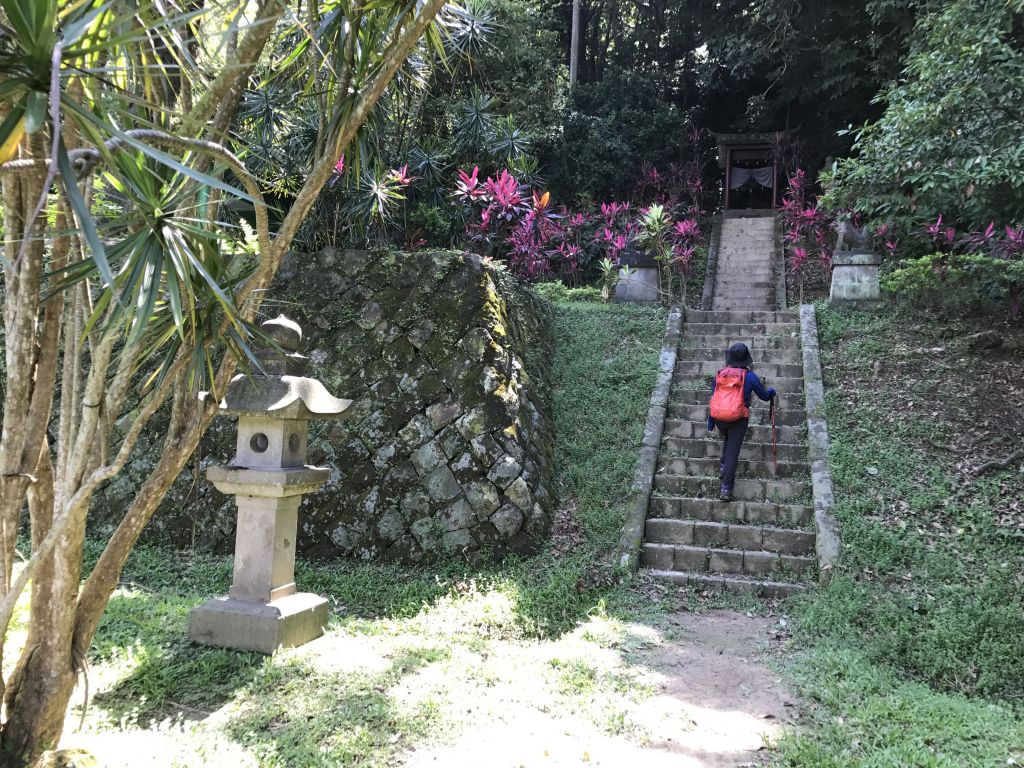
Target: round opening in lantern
x,y
259,442
293,442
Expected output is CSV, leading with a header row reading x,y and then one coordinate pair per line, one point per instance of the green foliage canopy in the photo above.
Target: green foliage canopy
x,y
951,139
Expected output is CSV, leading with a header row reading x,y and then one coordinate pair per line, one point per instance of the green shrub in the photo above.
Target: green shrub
x,y
957,280
557,291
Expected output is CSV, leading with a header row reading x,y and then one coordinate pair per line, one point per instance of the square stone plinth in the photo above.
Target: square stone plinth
x,y
263,627
643,286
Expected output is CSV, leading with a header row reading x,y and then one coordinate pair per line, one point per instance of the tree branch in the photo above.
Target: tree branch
x,y
1002,463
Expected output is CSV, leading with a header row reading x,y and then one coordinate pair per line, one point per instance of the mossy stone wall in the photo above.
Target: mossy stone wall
x,y
447,448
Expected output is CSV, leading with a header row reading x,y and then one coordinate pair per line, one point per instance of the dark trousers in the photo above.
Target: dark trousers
x,y
732,433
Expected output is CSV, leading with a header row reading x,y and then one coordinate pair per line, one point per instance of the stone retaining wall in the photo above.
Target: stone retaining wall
x,y
447,447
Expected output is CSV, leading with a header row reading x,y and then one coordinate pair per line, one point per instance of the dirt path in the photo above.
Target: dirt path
x,y
714,704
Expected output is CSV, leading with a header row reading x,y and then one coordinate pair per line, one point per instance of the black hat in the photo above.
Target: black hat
x,y
738,356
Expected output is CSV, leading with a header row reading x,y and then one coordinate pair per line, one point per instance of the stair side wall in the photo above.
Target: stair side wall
x,y
829,544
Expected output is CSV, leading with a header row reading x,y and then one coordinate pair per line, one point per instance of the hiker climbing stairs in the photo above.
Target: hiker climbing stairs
x,y
763,541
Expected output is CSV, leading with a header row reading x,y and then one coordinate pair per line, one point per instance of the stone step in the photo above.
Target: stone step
x,y
761,356
744,489
710,316
756,344
742,330
751,512
763,370
756,433
732,288
710,446
740,536
743,275
742,299
734,584
759,414
740,268
702,382
742,304
680,557
710,465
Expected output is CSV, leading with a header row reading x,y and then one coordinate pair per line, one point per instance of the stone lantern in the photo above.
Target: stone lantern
x,y
268,477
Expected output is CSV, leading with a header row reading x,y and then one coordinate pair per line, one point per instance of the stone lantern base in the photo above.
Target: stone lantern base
x,y
242,625
855,283
643,286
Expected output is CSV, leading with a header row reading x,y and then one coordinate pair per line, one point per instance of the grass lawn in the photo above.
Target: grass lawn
x,y
914,655
406,645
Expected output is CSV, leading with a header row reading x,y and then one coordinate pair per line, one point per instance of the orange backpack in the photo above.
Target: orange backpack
x,y
727,401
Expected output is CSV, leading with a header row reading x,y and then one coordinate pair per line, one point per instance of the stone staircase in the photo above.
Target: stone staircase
x,y
763,542
743,278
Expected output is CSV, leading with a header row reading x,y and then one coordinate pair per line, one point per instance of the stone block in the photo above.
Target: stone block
x,y
855,280
505,470
456,515
483,497
725,561
508,520
760,563
441,415
441,485
787,541
459,541
745,537
427,531
427,458
709,534
261,627
452,442
670,531
660,557
417,432
465,468
518,492
486,449
415,504
690,559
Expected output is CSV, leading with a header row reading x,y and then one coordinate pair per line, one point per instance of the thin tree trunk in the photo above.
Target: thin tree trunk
x,y
574,45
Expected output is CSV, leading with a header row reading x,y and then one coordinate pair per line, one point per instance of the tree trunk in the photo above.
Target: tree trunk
x,y
574,45
42,683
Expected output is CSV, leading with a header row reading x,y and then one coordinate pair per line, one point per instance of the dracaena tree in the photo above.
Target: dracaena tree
x,y
126,288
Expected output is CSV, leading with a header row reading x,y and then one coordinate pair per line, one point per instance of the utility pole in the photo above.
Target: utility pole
x,y
574,45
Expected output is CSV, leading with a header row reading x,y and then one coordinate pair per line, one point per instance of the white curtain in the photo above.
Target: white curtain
x,y
764,176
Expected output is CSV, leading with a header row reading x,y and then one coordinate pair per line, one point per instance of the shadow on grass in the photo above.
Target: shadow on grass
x,y
296,714
166,675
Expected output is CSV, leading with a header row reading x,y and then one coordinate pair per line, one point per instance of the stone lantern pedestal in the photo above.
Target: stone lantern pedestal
x,y
641,284
263,610
855,283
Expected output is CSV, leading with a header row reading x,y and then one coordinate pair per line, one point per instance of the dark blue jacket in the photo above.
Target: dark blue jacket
x,y
751,384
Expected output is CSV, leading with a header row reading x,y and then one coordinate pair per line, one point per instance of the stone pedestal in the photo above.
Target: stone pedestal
x,y
642,286
268,477
855,280
244,625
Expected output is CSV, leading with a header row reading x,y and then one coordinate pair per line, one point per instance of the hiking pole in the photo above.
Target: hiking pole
x,y
775,449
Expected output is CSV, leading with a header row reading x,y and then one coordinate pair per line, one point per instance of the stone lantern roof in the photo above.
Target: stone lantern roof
x,y
281,390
